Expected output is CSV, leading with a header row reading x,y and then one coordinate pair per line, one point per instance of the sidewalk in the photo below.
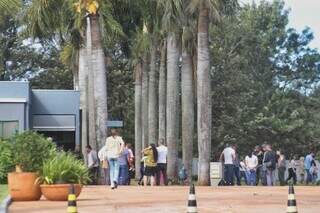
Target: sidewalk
x,y
134,199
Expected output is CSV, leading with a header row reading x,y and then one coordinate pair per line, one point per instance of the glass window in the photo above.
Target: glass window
x,y
8,128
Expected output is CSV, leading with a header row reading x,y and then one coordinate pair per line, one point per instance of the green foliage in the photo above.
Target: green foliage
x,y
29,150
64,168
263,78
6,163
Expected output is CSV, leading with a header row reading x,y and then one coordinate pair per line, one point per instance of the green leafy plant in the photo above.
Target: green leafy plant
x,y
6,163
29,150
64,168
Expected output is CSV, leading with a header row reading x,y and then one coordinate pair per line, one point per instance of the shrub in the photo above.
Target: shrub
x,y
6,163
29,150
64,168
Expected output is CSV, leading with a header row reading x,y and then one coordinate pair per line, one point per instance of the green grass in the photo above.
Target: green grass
x,y
3,192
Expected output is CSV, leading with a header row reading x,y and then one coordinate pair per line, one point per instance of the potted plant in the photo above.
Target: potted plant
x,y
6,163
28,152
59,172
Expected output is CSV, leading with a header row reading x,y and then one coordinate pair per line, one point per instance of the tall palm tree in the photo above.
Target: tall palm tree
x,y
152,107
170,23
162,92
140,45
90,84
206,9
188,88
83,88
137,117
204,105
153,21
145,102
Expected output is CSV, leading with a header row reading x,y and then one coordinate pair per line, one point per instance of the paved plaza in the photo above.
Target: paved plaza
x,y
134,199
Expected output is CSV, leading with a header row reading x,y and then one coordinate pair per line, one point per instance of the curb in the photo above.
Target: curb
x,y
5,204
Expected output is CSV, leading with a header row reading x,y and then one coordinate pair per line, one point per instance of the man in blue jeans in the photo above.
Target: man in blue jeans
x,y
236,166
307,166
228,157
114,147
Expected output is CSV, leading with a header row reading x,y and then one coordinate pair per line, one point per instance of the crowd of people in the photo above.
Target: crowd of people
x,y
117,160
259,166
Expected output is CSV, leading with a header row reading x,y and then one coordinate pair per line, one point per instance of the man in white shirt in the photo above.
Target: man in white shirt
x,y
93,164
162,162
252,164
228,156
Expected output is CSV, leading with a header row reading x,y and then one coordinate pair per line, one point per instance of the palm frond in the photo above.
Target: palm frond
x,y
111,29
217,8
9,5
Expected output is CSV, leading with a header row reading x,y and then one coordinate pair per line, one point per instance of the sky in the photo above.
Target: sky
x,y
303,13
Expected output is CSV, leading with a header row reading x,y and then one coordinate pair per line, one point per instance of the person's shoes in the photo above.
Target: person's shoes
x,y
112,187
115,184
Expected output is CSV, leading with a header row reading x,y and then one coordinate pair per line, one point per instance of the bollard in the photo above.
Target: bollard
x,y
192,202
292,203
72,200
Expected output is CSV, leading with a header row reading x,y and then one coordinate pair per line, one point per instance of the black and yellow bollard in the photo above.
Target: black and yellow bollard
x,y
72,200
292,203
192,202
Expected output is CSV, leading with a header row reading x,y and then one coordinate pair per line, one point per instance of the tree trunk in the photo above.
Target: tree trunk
x,y
203,98
144,100
76,78
172,105
91,99
100,82
152,107
162,93
187,99
137,118
83,88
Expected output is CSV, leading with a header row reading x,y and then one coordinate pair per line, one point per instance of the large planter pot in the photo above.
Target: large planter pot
x,y
59,192
23,186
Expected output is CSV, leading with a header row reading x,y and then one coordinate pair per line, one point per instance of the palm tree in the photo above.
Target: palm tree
x,y
152,108
100,81
170,23
204,114
145,104
206,9
137,117
187,89
91,99
140,45
83,88
162,92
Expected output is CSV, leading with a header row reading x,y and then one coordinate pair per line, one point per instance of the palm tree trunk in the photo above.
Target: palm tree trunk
x,y
162,93
100,82
152,107
144,106
83,88
91,99
203,98
172,105
187,99
76,79
137,118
